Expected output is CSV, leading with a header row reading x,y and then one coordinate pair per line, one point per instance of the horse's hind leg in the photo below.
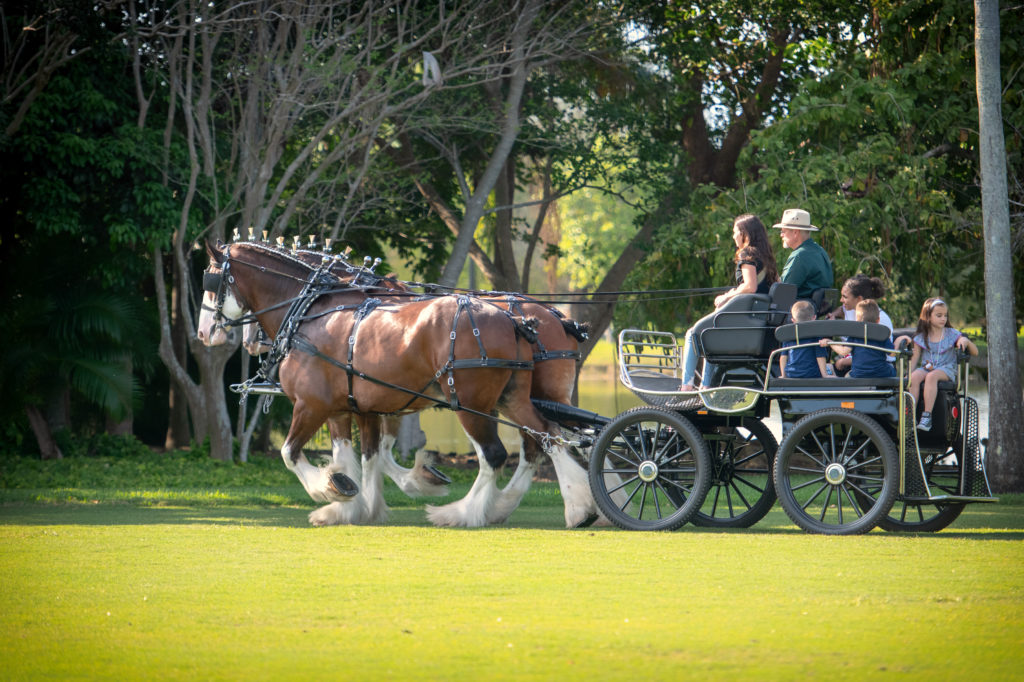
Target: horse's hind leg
x,y
476,508
422,478
511,495
580,508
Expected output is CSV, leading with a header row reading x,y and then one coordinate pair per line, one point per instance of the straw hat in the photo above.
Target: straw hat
x,y
796,219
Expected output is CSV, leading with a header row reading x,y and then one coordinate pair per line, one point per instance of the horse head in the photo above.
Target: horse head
x,y
220,304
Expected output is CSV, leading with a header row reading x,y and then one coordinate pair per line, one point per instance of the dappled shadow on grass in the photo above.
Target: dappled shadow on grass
x,y
107,514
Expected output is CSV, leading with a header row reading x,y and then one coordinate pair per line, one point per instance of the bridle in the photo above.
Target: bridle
x,y
217,283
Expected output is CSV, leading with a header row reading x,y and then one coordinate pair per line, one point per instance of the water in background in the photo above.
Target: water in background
x,y
601,392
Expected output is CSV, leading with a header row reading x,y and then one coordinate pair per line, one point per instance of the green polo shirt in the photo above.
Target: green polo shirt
x,y
809,268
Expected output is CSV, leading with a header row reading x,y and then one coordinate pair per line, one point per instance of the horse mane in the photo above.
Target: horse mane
x,y
279,254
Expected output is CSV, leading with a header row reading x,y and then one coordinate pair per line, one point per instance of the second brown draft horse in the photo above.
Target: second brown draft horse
x,y
349,355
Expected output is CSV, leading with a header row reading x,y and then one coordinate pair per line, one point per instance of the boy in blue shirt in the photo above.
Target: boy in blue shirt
x,y
867,362
803,363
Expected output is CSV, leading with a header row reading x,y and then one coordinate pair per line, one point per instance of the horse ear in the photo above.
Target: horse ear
x,y
213,250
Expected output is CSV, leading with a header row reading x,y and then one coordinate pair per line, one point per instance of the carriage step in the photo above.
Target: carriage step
x,y
946,498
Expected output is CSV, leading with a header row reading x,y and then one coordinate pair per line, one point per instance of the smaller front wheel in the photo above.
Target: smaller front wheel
x,y
837,472
649,470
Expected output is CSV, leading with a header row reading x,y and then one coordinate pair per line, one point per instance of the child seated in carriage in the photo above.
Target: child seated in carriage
x,y
803,363
867,362
935,344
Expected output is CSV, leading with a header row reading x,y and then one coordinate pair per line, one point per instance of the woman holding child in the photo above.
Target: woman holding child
x,y
856,290
756,271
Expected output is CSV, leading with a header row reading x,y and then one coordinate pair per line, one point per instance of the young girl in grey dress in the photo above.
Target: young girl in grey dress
x,y
935,345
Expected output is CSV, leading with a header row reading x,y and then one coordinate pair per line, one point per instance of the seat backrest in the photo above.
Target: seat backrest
x,y
782,297
858,332
738,327
824,300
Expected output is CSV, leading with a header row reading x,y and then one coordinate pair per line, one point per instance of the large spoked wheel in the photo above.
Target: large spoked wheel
x,y
742,490
942,471
649,470
837,472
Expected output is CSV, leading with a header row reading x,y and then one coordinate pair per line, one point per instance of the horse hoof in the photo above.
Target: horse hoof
x,y
441,477
587,522
343,485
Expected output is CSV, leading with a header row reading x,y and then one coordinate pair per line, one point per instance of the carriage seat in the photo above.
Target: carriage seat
x,y
740,327
824,301
854,332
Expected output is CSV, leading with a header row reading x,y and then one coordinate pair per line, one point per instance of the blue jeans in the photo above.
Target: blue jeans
x,y
690,355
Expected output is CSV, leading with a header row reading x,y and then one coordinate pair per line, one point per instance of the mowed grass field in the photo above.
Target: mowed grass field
x,y
232,584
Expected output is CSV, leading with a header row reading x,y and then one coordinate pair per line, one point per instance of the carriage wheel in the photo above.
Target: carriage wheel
x,y
649,470
836,472
942,471
742,490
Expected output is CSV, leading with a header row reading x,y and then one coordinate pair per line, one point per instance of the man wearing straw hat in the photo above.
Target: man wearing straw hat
x,y
808,267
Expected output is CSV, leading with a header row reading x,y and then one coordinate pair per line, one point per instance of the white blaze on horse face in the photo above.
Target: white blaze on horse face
x,y
206,329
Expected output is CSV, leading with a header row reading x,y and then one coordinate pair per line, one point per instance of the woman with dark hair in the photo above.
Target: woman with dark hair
x,y
858,288
756,271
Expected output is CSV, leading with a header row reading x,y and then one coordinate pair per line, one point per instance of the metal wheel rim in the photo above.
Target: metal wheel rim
x,y
649,470
861,460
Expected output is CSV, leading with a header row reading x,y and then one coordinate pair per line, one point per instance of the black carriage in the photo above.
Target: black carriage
x,y
851,457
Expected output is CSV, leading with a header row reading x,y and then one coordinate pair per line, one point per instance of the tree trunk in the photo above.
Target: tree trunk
x,y
44,437
1006,412
504,255
178,435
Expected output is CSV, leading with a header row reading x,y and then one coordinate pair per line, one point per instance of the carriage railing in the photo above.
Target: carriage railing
x,y
650,365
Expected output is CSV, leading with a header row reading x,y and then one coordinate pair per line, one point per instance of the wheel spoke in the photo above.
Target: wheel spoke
x,y
759,453
822,462
741,479
630,497
621,485
824,507
810,482
739,494
853,504
815,495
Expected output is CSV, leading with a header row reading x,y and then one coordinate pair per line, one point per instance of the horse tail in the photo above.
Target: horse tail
x,y
578,330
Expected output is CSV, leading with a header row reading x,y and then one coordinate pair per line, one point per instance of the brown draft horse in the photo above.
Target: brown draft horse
x,y
403,357
554,353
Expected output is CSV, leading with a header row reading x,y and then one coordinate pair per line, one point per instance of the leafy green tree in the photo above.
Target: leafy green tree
x,y
77,198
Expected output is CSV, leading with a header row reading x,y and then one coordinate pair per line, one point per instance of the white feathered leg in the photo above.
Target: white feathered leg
x,y
580,507
315,480
347,510
511,495
472,510
373,490
416,481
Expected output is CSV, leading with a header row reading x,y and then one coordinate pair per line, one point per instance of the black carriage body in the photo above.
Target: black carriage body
x,y
873,461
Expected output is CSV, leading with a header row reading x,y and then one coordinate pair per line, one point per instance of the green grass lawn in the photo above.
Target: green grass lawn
x,y
229,582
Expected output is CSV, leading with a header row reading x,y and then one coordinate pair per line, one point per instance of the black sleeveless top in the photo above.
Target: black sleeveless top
x,y
748,258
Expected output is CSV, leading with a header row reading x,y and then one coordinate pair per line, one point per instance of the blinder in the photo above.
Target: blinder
x,y
212,281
